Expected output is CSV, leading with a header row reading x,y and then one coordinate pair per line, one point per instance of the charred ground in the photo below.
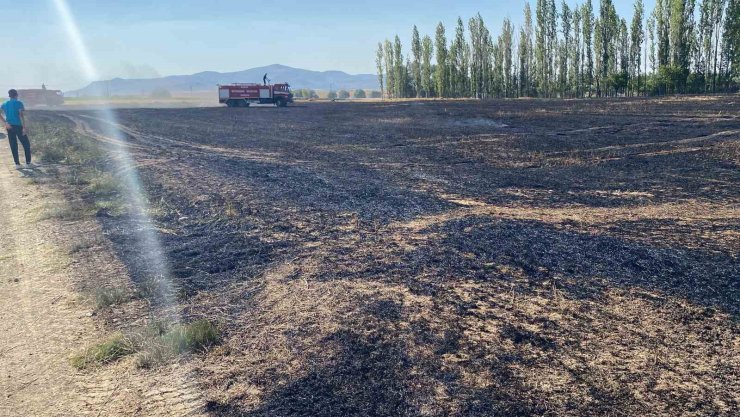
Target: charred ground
x,y
451,258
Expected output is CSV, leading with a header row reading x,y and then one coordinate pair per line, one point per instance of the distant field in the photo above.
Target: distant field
x,y
186,100
448,258
197,99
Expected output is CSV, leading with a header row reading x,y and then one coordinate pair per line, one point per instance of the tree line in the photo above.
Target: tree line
x,y
682,46
307,93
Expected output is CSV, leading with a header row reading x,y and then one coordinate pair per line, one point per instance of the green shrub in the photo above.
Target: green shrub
x,y
191,337
106,352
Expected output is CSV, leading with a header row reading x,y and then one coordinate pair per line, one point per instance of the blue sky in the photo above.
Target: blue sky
x,y
136,38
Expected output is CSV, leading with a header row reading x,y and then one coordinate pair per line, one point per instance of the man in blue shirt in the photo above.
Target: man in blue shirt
x,y
15,124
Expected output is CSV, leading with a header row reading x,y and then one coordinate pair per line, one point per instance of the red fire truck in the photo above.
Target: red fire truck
x,y
242,95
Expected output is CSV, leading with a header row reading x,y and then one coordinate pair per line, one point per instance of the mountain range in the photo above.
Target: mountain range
x,y
207,81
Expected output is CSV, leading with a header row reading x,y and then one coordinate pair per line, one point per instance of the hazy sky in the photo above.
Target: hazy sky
x,y
136,38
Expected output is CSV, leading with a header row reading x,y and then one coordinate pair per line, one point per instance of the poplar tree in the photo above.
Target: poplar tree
x,y
608,32
567,18
416,65
507,40
379,66
636,42
459,62
575,53
598,63
587,16
552,43
440,75
390,69
541,54
678,29
622,78
731,41
480,57
427,49
526,58
399,73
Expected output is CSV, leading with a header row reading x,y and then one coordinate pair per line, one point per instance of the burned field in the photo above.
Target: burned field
x,y
450,258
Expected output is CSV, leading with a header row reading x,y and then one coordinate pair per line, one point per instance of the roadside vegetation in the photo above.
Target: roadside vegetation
x,y
80,167
153,345
79,163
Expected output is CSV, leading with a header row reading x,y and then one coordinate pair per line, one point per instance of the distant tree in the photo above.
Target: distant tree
x,y
623,77
160,93
441,73
608,34
390,82
298,93
636,42
359,93
481,52
652,53
399,73
332,95
679,30
567,21
587,18
507,45
427,83
575,72
731,41
552,44
379,57
416,50
662,13
598,39
375,94
526,57
541,51
343,94
458,62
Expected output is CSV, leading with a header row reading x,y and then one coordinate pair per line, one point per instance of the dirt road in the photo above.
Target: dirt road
x,y
44,320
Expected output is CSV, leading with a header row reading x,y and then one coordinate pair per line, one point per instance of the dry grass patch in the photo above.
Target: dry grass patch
x,y
111,350
155,344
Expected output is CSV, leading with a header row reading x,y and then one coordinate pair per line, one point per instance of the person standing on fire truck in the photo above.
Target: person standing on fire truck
x,y
15,123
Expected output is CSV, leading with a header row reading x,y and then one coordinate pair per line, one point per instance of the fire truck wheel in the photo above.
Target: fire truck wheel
x,y
281,102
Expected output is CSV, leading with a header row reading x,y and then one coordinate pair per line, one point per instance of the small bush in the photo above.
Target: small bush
x,y
154,355
343,94
101,183
191,337
154,288
360,94
108,296
109,351
64,212
113,208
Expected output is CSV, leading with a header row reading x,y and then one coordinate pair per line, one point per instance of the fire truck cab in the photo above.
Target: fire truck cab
x,y
242,95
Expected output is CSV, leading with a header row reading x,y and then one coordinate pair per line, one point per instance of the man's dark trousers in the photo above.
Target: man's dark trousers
x,y
14,135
